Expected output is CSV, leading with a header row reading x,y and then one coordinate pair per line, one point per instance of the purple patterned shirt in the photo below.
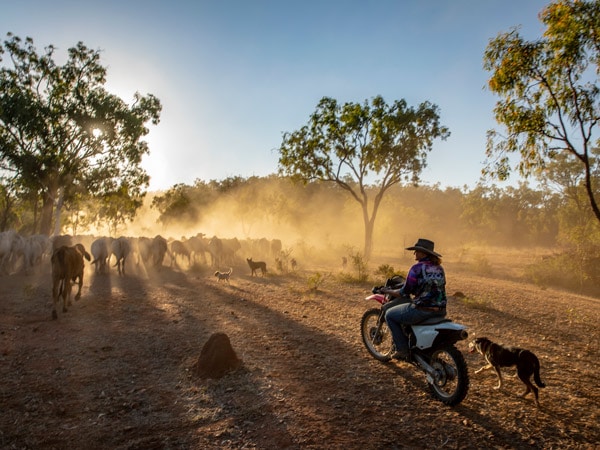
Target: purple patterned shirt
x,y
427,283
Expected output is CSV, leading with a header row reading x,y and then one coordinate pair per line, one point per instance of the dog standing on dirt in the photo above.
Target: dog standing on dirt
x,y
498,356
224,275
257,265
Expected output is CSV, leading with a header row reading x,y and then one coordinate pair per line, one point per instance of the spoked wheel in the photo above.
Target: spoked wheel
x,y
451,382
376,336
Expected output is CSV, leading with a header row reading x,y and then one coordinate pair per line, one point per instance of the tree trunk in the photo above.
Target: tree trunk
x,y
368,239
369,227
590,193
57,212
36,223
46,213
370,221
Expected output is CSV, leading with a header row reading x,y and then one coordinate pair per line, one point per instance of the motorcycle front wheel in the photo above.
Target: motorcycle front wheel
x,y
376,336
451,381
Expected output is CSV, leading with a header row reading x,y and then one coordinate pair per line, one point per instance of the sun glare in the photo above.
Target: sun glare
x,y
97,132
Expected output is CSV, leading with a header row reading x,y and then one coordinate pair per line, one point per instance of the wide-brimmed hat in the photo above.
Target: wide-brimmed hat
x,y
425,246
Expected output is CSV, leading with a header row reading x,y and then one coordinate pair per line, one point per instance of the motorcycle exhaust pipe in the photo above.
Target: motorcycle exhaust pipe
x,y
430,370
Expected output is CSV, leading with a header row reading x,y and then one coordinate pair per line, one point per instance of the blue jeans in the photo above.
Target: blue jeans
x,y
408,315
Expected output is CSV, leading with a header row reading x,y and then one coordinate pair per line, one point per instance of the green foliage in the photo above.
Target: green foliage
x,y
315,280
385,271
549,95
512,216
359,263
351,143
575,269
117,208
62,133
575,220
180,203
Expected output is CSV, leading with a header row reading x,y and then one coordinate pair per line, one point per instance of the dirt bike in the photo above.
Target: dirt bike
x,y
431,345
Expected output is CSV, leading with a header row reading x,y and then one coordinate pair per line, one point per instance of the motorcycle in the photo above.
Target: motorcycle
x,y
431,345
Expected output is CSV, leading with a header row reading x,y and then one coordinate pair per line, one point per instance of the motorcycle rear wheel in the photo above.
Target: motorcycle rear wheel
x,y
451,382
376,337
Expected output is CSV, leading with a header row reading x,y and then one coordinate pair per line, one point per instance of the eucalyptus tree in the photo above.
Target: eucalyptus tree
x,y
577,224
365,149
180,203
61,131
550,98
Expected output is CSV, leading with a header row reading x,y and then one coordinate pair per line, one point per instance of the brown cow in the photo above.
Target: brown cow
x,y
182,249
67,266
198,245
159,249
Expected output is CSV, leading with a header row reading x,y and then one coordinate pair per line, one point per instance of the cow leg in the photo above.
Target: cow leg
x,y
79,283
55,294
66,294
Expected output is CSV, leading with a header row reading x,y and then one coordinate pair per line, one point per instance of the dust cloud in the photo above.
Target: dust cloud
x,y
319,228
317,224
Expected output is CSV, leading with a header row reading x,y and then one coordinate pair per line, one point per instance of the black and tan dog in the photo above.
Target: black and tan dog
x,y
257,265
498,356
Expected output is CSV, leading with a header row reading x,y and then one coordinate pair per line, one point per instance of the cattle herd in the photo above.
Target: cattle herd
x,y
26,254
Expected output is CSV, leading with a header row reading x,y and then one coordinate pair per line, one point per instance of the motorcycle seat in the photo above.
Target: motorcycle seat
x,y
433,321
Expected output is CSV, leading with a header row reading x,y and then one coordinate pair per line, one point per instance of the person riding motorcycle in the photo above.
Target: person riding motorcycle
x,y
426,283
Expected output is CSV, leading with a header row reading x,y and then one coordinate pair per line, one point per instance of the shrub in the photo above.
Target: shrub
x,y
316,280
360,265
385,271
570,270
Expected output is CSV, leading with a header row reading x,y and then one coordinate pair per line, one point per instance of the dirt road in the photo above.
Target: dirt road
x,y
115,371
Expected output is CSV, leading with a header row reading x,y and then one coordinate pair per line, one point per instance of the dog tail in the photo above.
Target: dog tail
x,y
536,372
230,270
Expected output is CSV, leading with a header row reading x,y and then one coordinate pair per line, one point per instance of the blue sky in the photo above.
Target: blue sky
x,y
233,76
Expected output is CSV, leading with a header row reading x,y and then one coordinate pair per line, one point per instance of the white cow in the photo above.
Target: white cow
x,y
100,249
121,248
11,247
34,249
